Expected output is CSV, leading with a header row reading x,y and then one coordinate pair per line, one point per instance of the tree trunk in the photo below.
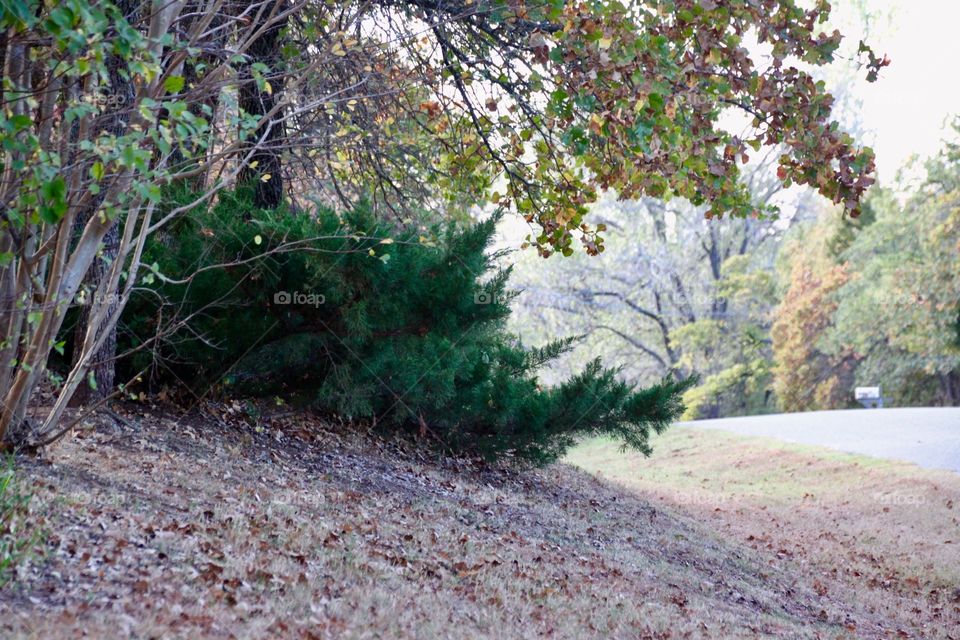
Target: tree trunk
x,y
265,176
203,104
102,370
120,95
950,387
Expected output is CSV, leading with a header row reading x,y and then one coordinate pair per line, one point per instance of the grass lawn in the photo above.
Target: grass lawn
x,y
882,535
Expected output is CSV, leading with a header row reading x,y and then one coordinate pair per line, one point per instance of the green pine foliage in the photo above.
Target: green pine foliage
x,y
404,329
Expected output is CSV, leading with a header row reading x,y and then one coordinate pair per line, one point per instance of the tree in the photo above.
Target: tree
x,y
873,301
676,292
118,93
807,374
899,308
260,89
731,349
541,107
70,156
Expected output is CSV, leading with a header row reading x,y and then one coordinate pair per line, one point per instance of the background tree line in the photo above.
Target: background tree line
x,y
786,315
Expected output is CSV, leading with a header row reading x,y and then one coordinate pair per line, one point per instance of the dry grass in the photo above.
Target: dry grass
x,y
190,528
881,536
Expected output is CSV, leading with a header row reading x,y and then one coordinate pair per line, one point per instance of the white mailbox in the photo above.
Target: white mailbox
x,y
869,397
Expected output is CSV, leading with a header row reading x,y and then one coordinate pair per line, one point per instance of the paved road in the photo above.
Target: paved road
x,y
929,437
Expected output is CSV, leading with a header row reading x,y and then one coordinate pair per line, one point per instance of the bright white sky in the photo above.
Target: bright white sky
x,y
907,108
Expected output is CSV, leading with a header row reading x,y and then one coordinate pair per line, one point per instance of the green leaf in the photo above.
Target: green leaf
x,y
656,102
54,194
21,121
173,84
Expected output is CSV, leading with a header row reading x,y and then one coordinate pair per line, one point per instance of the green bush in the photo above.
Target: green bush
x,y
407,329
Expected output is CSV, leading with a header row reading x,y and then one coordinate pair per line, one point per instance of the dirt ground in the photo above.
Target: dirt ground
x,y
217,525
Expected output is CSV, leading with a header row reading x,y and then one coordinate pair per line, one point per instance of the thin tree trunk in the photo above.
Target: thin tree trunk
x,y
950,384
265,174
204,105
120,95
101,373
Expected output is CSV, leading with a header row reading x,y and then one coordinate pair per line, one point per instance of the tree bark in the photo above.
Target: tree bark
x,y
102,369
120,95
950,386
265,174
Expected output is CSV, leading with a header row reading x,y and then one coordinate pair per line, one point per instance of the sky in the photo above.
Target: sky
x,y
906,108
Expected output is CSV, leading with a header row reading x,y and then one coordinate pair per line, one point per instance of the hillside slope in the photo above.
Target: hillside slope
x,y
201,526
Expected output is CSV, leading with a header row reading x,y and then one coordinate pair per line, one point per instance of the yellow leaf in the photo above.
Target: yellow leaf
x,y
387,241
265,177
257,240
605,43
253,165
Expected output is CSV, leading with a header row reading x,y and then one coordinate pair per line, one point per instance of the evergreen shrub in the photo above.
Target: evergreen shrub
x,y
362,321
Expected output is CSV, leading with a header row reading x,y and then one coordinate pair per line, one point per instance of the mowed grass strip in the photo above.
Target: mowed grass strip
x,y
882,536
